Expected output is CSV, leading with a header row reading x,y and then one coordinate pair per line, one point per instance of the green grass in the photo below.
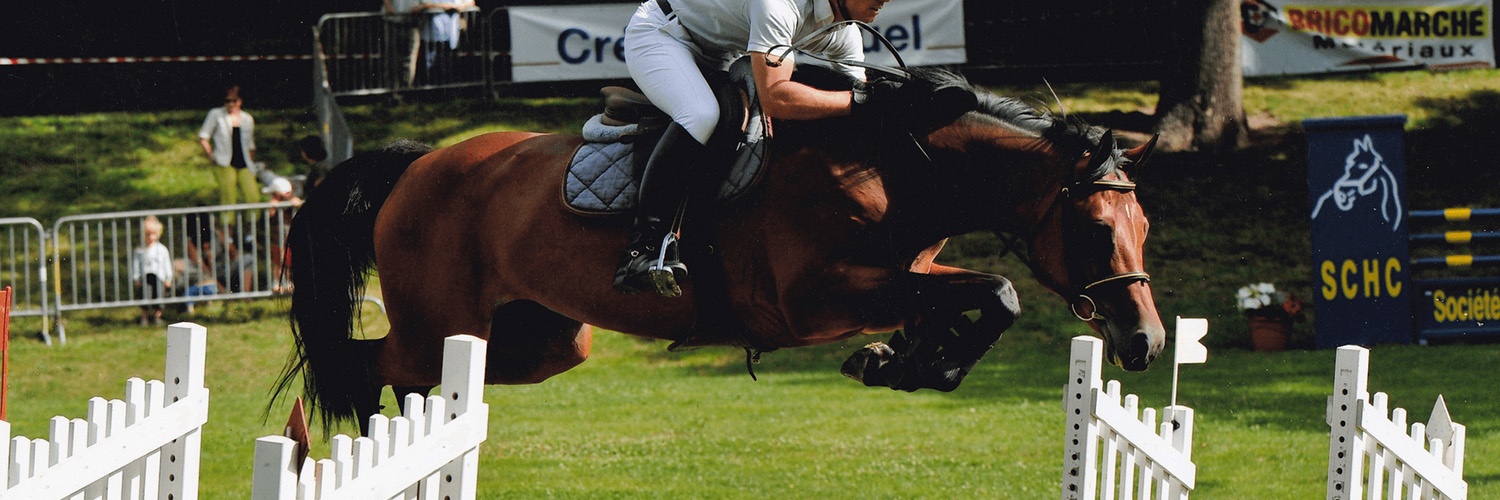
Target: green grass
x,y
638,422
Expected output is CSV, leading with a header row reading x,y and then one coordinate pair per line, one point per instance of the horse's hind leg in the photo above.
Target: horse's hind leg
x,y
530,343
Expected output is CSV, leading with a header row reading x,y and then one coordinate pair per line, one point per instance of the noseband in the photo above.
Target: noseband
x,y
1124,279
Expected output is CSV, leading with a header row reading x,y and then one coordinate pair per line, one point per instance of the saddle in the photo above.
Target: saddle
x,y
604,174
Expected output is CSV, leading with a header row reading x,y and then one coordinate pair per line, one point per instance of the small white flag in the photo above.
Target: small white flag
x,y
1190,332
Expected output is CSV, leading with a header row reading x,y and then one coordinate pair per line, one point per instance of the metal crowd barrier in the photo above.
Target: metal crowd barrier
x,y
23,250
234,248
368,53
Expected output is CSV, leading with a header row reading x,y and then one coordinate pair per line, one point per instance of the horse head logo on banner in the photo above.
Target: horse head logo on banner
x,y
1366,177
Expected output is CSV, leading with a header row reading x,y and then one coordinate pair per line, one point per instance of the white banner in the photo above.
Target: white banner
x,y
1319,36
584,42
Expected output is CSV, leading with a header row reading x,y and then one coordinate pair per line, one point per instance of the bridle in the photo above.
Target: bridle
x,y
1123,279
1080,295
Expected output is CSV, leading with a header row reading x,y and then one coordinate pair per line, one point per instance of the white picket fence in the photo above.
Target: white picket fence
x,y
430,452
1371,454
143,447
1140,458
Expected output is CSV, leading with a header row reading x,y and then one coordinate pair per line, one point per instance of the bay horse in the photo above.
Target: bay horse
x,y
838,239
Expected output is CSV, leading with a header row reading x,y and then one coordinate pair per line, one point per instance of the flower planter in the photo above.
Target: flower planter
x,y
1269,333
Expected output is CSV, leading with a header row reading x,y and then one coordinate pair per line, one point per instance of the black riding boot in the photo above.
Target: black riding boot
x,y
650,259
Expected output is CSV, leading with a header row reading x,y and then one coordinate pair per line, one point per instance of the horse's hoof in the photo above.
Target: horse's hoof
x,y
868,364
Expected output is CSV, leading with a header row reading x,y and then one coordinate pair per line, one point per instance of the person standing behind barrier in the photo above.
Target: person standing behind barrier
x,y
403,39
316,157
440,35
232,131
151,269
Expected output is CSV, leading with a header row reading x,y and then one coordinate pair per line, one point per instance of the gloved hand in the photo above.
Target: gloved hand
x,y
878,97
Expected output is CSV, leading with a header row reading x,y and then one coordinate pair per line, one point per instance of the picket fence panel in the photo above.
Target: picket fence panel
x,y
1141,458
430,452
145,446
1372,455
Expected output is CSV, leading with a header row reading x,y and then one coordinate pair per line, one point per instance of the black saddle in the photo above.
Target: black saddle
x,y
604,174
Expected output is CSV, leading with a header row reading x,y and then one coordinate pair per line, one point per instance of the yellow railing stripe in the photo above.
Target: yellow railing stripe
x,y
1460,260
1456,214
1458,237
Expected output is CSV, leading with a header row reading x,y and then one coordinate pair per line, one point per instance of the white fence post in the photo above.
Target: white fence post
x,y
1081,448
1426,462
432,451
145,447
1141,457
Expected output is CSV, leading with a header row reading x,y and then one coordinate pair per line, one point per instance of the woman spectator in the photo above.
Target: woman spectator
x,y
232,131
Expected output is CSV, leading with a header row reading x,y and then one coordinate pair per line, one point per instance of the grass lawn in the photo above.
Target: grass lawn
x,y
638,422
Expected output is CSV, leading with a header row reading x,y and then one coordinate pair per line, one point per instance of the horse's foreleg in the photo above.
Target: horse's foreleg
x,y
939,346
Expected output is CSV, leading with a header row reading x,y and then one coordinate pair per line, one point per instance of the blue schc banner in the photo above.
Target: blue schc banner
x,y
1356,175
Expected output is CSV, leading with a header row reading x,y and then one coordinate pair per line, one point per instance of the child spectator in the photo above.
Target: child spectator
x,y
151,269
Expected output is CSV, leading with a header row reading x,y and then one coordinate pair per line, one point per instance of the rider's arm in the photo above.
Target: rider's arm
x,y
781,97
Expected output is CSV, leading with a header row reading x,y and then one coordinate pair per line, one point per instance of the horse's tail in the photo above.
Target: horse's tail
x,y
332,248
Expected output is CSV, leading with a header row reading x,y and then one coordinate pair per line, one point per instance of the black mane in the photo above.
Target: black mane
x,y
944,95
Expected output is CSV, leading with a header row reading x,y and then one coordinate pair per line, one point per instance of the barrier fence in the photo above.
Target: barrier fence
x,y
1453,297
432,451
1115,449
1370,452
218,253
367,53
146,445
23,250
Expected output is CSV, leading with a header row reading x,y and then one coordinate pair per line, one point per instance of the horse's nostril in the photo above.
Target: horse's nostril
x,y
1140,344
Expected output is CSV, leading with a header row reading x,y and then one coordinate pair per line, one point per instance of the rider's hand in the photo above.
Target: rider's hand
x,y
876,97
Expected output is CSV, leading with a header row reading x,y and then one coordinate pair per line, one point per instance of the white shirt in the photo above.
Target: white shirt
x,y
216,127
151,259
728,29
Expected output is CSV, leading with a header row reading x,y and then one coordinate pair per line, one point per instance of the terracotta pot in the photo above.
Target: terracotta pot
x,y
1269,334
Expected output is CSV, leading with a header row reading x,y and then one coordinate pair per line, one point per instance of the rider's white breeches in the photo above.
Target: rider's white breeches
x,y
663,61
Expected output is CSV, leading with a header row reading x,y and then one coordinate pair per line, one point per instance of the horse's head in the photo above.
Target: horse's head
x,y
1087,246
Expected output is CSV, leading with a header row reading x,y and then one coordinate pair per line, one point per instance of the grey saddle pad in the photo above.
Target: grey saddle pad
x,y
602,178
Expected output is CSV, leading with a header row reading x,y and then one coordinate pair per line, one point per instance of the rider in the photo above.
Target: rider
x,y
669,44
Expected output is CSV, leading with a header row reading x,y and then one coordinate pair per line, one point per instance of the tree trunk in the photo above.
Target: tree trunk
x,y
1201,106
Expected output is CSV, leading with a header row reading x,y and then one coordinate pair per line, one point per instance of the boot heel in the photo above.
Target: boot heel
x,y
666,283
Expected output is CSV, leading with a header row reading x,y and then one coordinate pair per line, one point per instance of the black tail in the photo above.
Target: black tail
x,y
332,245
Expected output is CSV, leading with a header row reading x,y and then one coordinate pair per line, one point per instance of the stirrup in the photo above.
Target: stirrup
x,y
664,276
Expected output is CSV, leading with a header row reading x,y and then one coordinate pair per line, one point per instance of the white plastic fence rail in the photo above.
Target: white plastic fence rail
x,y
1371,454
1140,458
143,447
430,452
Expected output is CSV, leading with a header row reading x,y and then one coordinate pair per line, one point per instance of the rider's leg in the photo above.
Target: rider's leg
x,y
650,259
663,63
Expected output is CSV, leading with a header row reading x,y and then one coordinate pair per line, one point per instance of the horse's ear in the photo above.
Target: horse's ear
x,y
1105,151
1139,154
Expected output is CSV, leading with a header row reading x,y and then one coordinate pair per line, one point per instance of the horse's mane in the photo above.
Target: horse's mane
x,y
1070,136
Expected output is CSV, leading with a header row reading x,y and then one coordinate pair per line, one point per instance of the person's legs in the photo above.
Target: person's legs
x,y
249,190
666,70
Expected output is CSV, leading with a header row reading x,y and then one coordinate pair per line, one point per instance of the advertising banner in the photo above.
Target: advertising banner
x,y
1318,36
1356,177
1458,307
585,42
